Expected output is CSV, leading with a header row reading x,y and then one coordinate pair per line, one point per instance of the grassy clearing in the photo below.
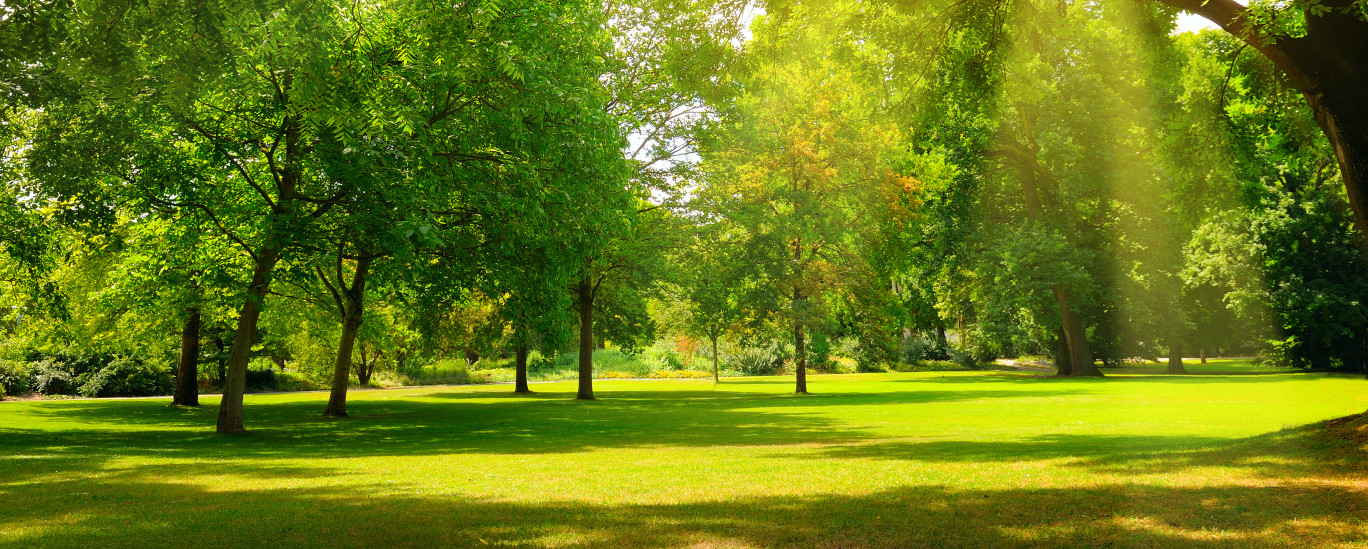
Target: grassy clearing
x,y
870,460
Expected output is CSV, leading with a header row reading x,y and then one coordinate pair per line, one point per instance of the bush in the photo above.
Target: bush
x,y
51,377
125,376
874,350
755,361
819,352
261,380
16,378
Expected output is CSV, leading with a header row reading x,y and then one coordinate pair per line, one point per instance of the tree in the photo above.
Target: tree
x,y
1320,46
804,157
666,75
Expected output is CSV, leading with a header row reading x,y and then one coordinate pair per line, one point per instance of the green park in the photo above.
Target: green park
x,y
684,273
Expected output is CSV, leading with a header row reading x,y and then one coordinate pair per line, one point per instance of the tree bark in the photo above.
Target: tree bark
x,y
353,302
1201,351
187,371
520,360
799,351
713,336
1329,65
235,382
1063,362
1175,358
585,290
1075,335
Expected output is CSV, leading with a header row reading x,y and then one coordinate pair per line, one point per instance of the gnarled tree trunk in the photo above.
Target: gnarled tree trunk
x,y
187,370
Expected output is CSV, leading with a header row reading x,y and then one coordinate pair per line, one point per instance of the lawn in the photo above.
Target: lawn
x,y
983,459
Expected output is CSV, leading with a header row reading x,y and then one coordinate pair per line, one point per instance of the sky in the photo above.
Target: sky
x,y
1188,22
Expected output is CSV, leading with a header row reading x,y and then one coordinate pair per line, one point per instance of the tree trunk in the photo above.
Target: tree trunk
x,y
187,371
799,351
1201,351
366,368
943,352
353,311
1063,362
520,360
1075,335
713,337
1175,358
235,382
222,369
230,408
585,290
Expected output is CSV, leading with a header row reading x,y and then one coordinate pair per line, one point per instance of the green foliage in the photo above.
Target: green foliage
x,y
125,376
756,360
17,377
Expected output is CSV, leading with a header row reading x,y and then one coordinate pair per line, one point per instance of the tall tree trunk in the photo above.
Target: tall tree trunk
x,y
1175,357
520,360
1202,352
353,301
235,383
1063,362
942,343
585,289
1080,354
799,350
230,407
187,371
713,336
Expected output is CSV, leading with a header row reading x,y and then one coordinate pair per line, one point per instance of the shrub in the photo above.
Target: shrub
x,y
819,352
51,377
875,349
261,380
755,361
125,376
16,378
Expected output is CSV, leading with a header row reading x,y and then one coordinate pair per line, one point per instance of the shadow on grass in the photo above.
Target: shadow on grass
x,y
102,513
464,422
63,487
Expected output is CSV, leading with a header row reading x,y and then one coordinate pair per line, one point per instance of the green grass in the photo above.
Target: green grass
x,y
1213,366
984,459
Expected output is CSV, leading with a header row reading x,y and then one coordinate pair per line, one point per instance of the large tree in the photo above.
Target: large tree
x,y
1322,46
